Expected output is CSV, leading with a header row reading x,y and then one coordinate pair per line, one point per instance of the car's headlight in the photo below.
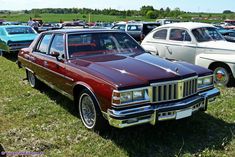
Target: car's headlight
x,y
126,97
138,95
130,96
204,82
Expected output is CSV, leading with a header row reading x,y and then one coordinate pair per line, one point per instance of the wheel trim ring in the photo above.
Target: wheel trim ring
x,y
221,76
83,106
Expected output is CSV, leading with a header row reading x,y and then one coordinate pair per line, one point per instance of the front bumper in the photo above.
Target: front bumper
x,y
151,113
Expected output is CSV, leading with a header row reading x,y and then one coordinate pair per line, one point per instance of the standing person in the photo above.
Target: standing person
x,y
33,24
30,22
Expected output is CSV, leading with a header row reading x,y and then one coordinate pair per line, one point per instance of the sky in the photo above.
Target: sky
x,y
216,6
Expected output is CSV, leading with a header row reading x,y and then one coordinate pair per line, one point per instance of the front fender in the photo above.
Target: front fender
x,y
3,46
206,60
153,50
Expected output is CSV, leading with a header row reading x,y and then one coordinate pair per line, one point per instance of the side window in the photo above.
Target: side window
x,y
179,35
58,45
161,34
115,27
43,46
133,27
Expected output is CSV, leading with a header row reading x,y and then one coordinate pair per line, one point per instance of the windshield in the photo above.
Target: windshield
x,y
20,30
206,34
81,45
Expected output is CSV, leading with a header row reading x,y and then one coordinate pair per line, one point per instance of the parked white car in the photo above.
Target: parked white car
x,y
196,43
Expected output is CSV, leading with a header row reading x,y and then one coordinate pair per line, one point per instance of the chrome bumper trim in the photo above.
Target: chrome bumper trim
x,y
151,113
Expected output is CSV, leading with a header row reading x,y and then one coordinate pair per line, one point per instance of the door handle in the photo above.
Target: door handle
x,y
169,51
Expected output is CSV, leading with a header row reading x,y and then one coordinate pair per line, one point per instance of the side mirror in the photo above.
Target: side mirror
x,y
56,55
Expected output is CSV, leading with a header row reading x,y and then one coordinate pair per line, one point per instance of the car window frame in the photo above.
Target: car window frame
x,y
166,38
52,39
183,41
40,41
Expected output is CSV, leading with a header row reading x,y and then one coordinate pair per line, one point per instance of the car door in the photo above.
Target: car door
x,y
158,41
39,58
180,46
57,65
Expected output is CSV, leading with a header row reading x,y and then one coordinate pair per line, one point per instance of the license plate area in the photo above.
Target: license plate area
x,y
183,114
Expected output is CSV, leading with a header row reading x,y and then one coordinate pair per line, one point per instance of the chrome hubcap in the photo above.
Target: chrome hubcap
x,y
87,110
221,76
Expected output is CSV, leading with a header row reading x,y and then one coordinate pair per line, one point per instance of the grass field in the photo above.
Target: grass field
x,y
44,121
69,17
94,17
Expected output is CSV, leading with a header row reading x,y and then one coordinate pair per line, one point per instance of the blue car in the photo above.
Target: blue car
x,y
228,34
15,37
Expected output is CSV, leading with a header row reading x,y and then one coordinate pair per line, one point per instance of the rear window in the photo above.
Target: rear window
x,y
160,34
20,30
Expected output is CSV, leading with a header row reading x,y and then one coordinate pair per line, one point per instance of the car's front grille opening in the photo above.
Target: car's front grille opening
x,y
169,91
19,44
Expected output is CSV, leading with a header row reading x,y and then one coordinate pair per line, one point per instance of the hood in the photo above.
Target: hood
x,y
20,37
127,71
218,45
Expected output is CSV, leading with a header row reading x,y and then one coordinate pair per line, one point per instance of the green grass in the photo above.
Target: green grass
x,y
94,17
44,121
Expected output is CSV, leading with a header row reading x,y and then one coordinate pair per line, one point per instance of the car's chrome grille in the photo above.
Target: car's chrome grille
x,y
174,90
19,44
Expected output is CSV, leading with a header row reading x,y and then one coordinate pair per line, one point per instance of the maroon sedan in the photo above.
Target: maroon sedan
x,y
112,79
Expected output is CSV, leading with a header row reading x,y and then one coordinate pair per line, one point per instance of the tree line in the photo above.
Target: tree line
x,y
147,11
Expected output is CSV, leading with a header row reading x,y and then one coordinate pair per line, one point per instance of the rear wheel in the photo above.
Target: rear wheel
x,y
89,111
223,75
33,81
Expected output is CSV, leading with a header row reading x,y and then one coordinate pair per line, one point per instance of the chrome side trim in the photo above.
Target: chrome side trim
x,y
55,88
63,76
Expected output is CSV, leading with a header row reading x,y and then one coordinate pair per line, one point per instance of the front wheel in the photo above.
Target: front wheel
x,y
89,111
223,76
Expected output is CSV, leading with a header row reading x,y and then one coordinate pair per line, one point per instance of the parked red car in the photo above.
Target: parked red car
x,y
112,79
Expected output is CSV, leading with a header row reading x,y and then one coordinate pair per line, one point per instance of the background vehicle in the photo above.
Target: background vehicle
x,y
166,21
15,37
196,43
112,79
228,35
138,30
49,26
